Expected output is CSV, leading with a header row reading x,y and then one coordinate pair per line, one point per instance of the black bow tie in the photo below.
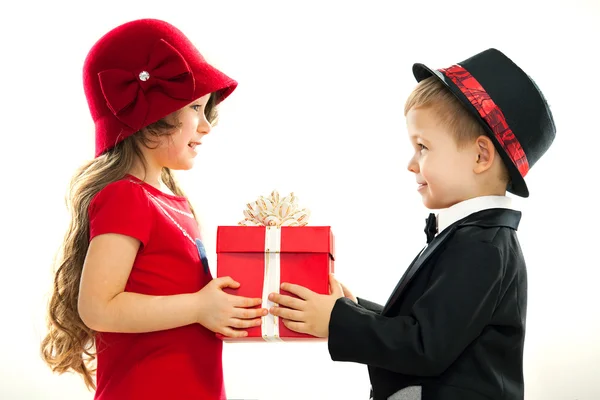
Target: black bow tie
x,y
430,227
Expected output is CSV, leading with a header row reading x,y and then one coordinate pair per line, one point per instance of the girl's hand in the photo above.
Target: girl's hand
x,y
225,313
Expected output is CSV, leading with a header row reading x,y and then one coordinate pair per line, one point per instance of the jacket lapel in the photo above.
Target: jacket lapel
x,y
416,266
486,218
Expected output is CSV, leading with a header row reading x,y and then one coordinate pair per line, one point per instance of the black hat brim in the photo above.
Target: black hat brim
x,y
517,184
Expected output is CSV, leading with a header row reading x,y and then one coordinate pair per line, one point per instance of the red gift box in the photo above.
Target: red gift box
x,y
261,258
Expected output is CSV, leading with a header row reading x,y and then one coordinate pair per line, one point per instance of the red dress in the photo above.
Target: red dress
x,y
180,363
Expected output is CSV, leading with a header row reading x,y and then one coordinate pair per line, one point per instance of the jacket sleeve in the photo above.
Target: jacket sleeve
x,y
451,313
369,305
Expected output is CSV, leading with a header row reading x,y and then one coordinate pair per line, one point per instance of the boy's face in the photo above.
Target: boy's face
x,y
443,171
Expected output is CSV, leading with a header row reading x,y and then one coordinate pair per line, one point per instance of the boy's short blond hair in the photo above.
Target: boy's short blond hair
x,y
432,93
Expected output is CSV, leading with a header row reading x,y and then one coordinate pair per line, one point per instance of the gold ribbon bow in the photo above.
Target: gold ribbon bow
x,y
275,211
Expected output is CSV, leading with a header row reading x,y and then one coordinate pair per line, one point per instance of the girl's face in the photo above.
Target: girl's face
x,y
178,150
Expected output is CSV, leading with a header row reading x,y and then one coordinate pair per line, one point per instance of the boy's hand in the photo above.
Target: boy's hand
x,y
348,294
311,312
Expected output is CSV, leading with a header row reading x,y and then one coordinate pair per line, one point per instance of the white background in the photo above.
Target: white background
x,y
318,112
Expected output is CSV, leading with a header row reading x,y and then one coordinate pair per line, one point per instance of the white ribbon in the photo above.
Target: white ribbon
x,y
272,280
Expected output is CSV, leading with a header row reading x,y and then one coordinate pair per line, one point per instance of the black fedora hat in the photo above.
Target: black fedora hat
x,y
507,103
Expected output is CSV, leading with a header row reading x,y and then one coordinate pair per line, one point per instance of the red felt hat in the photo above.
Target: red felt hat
x,y
141,72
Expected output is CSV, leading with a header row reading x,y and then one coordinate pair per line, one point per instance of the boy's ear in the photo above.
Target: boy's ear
x,y
485,154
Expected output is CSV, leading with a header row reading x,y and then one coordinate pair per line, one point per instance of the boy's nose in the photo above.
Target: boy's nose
x,y
413,166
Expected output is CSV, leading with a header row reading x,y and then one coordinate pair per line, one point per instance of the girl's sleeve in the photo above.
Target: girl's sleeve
x,y
124,208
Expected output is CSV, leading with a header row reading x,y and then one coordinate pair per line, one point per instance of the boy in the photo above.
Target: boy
x,y
453,329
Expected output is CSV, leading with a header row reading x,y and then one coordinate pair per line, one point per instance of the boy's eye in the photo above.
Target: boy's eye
x,y
421,146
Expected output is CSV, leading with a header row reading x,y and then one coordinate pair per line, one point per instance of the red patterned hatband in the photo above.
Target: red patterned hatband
x,y
491,113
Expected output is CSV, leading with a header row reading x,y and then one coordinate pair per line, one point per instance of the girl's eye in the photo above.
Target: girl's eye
x,y
196,107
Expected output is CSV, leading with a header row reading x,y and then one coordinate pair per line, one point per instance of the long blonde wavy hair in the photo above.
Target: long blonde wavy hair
x,y
69,344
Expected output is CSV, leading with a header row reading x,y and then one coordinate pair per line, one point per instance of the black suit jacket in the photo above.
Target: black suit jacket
x,y
455,323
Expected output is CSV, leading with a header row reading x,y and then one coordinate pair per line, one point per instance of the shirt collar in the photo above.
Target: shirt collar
x,y
450,215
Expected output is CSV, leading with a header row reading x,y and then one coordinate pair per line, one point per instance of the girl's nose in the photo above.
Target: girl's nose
x,y
204,126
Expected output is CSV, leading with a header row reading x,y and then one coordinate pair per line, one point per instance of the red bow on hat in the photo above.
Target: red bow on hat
x,y
126,91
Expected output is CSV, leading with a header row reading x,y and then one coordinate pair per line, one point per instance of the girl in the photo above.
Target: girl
x,y
133,291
